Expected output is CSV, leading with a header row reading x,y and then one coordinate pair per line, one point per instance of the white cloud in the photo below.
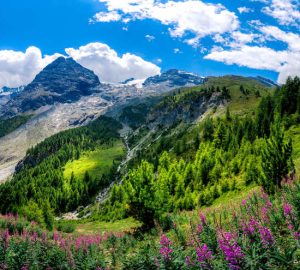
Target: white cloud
x,y
250,56
291,39
106,17
236,39
244,10
286,63
177,50
150,38
183,17
240,39
110,67
287,12
19,68
158,61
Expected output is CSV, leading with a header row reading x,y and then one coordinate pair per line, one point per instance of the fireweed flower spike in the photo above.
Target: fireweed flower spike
x,y
166,248
231,250
266,236
287,210
204,255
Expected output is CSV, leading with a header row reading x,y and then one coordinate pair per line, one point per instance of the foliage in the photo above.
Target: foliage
x,y
39,188
261,233
232,152
9,125
276,159
24,245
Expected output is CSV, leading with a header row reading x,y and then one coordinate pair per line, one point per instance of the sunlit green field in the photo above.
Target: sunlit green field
x,y
96,163
102,227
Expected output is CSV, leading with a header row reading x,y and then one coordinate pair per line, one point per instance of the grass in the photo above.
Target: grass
x,y
124,225
96,163
227,201
86,226
240,103
294,132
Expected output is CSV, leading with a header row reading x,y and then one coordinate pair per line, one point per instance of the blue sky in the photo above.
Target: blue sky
x,y
137,38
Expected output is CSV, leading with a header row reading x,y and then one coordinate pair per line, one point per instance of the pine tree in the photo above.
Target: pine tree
x,y
276,159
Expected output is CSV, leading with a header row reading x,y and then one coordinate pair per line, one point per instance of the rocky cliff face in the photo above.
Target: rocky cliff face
x,y
63,81
188,109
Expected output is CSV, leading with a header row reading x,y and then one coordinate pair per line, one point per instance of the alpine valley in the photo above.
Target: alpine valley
x,y
177,172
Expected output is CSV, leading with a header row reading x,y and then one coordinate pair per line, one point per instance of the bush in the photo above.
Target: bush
x,y
66,227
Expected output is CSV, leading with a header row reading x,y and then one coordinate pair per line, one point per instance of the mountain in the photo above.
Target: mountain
x,y
8,90
65,95
6,94
173,78
154,164
63,81
266,82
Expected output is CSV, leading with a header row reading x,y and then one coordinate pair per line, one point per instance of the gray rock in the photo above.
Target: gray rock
x,y
63,81
173,78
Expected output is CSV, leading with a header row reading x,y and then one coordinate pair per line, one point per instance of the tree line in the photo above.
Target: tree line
x,y
39,189
232,153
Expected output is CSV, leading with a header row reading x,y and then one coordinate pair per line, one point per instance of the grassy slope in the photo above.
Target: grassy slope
x,y
93,227
294,132
241,104
97,162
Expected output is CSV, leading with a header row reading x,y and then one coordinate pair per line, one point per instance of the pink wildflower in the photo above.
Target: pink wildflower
x,y
166,248
287,209
232,251
244,202
266,236
202,218
204,255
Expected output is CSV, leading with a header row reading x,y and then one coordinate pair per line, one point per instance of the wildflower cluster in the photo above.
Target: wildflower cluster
x,y
262,234
166,248
231,249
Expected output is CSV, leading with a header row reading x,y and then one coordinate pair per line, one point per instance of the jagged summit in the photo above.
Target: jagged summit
x,y
63,81
64,75
175,78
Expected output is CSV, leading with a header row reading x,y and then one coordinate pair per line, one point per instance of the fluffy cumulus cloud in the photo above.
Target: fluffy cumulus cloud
x,y
19,68
233,42
109,66
285,62
183,17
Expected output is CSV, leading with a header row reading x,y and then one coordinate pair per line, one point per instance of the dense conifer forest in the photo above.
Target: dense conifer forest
x,y
39,190
231,153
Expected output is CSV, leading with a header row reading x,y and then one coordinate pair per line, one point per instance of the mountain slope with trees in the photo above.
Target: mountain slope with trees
x,y
39,189
229,152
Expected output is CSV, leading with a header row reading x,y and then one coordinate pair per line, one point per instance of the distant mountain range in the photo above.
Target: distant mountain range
x,y
66,81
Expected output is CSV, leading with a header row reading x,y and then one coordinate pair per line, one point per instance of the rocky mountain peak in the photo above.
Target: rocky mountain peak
x,y
62,81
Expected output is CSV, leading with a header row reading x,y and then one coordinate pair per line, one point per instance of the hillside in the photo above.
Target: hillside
x,y
46,182
210,147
